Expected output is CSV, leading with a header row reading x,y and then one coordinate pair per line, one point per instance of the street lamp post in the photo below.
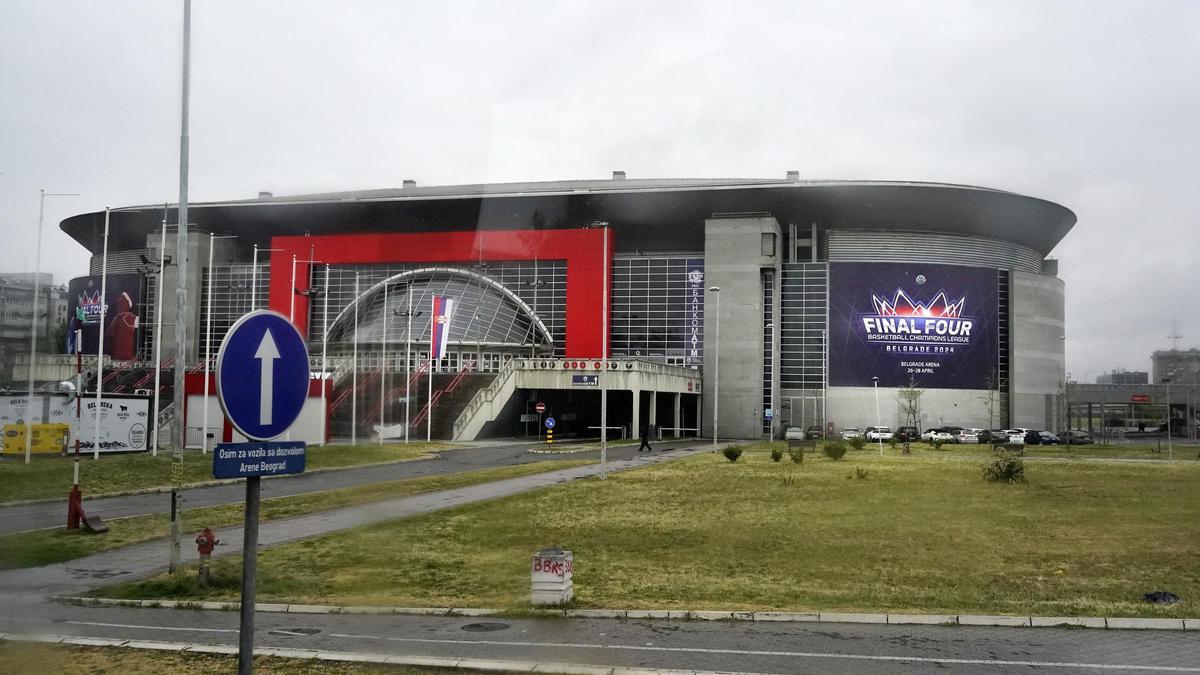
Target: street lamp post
x,y
878,434
771,381
1170,447
37,288
716,365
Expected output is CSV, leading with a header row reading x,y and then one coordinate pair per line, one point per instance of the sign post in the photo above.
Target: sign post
x,y
262,384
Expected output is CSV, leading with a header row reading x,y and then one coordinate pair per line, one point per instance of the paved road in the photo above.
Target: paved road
x,y
53,514
686,645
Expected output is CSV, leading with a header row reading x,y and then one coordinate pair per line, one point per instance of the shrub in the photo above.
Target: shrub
x,y
776,454
1006,467
789,481
860,473
797,455
937,444
858,442
834,450
732,452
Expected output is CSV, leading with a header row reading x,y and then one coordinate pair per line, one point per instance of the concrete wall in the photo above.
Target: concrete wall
x,y
733,261
1037,358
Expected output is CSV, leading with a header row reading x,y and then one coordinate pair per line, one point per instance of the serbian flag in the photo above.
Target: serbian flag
x,y
442,309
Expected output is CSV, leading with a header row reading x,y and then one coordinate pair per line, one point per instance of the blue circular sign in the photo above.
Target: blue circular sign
x,y
550,423
262,375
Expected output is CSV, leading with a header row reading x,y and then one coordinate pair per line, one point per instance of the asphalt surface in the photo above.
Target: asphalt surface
x,y
686,645
24,517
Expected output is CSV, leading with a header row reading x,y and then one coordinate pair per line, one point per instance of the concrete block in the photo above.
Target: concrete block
x,y
1050,621
38,637
161,646
497,664
428,661
93,642
264,607
354,657
742,616
225,606
311,609
212,649
1123,623
571,669
473,611
287,652
785,616
844,617
922,619
984,620
1191,624
711,616
648,614
596,613
367,610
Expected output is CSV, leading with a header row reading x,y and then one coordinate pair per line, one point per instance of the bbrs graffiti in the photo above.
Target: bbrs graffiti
x,y
931,325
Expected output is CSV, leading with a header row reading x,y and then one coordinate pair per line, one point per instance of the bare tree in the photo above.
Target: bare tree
x,y
989,398
909,399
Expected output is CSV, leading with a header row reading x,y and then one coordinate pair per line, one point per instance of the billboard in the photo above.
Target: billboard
x,y
935,326
84,310
124,420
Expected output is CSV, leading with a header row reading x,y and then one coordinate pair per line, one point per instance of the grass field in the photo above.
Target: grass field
x,y
31,549
51,476
23,658
917,534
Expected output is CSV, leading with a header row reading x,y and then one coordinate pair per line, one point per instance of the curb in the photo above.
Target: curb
x,y
164,489
357,657
1115,623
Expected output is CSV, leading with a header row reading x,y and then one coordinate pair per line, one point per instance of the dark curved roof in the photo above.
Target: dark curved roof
x,y
649,214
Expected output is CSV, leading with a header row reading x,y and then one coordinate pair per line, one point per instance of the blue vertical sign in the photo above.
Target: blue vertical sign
x,y
693,315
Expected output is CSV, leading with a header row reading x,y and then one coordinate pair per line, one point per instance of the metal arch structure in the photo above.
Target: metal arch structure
x,y
546,338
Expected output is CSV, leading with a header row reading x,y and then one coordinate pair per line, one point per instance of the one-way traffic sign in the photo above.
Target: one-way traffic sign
x,y
262,375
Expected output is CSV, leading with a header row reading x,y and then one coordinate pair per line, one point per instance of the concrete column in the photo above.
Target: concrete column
x,y
637,414
1089,415
678,413
654,407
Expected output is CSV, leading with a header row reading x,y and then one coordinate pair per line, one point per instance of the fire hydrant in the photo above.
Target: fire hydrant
x,y
204,546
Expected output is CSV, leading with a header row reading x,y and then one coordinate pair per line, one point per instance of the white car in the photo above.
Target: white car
x,y
932,435
793,434
850,434
969,435
1016,436
879,433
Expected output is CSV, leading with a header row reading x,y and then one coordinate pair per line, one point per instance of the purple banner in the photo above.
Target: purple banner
x,y
931,325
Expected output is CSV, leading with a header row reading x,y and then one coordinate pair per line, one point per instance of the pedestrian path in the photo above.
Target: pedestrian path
x,y
142,560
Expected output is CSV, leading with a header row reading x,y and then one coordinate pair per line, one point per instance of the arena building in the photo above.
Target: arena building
x,y
828,299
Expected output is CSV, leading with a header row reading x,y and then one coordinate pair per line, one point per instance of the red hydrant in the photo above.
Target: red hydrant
x,y
204,546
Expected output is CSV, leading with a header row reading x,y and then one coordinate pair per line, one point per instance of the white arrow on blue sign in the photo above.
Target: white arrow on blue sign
x,y
262,375
550,422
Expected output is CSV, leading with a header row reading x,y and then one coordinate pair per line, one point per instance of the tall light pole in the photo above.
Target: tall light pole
x,y
1170,447
37,289
606,261
716,364
878,434
208,341
254,275
408,314
771,381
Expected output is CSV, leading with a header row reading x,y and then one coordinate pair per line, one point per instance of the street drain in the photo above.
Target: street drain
x,y
484,627
295,632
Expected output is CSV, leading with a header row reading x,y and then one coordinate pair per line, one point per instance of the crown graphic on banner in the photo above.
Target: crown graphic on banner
x,y
902,305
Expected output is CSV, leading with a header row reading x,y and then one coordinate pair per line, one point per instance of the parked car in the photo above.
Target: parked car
x,y
908,434
1049,438
971,435
1016,436
1075,437
850,433
879,433
1033,437
940,435
814,433
793,434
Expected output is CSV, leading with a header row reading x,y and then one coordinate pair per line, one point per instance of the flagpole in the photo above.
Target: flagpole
x,y
354,371
100,346
432,366
207,348
383,363
604,369
162,266
326,379
408,364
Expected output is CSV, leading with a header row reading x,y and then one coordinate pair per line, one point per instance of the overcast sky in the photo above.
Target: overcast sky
x,y
1094,105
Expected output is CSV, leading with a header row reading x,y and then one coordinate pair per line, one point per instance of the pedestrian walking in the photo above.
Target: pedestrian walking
x,y
645,439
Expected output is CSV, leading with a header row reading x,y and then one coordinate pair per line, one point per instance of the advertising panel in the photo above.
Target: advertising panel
x,y
934,326
84,309
124,420
693,316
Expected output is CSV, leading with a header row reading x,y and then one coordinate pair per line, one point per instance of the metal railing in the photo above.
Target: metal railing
x,y
484,396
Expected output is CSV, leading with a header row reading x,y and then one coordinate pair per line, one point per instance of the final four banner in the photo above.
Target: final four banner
x,y
932,325
443,308
83,313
